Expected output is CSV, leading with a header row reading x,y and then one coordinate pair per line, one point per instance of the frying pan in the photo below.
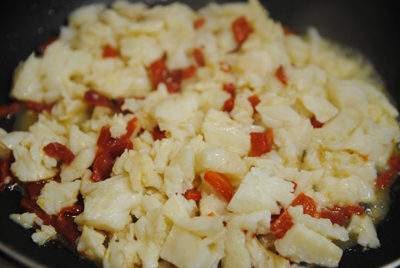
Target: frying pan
x,y
368,26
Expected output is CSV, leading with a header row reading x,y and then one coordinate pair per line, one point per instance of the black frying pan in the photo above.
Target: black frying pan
x,y
369,26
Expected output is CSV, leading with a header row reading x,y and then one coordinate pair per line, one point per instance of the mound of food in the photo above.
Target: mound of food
x,y
166,137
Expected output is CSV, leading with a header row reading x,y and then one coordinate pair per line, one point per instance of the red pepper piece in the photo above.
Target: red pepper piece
x,y
158,73
350,210
33,189
109,52
228,105
309,205
193,195
221,183
6,110
199,57
32,207
65,222
39,107
102,166
188,72
130,128
241,30
261,143
158,134
335,215
56,149
254,100
315,123
280,74
384,180
6,177
42,47
281,225
394,163
230,88
199,23
93,97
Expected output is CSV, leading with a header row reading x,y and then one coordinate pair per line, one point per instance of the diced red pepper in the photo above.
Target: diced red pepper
x,y
102,166
56,149
335,215
93,97
261,143
199,57
350,210
394,163
42,47
281,225
254,100
230,88
315,123
158,134
241,30
309,205
33,189
6,110
211,214
286,30
199,23
109,149
228,105
193,195
32,207
109,52
39,107
158,72
188,72
6,177
384,180
65,222
221,183
280,74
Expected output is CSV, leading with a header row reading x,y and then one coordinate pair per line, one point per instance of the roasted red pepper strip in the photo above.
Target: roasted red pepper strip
x,y
199,57
93,97
309,205
39,107
193,195
228,105
261,143
109,52
280,74
65,222
33,189
32,207
6,110
198,23
188,72
335,215
158,134
384,180
315,123
254,101
230,88
102,166
394,163
221,183
6,176
56,149
241,30
281,225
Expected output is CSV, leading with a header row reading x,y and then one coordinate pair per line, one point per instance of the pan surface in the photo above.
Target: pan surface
x,y
368,26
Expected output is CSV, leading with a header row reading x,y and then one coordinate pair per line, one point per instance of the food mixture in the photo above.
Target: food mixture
x,y
165,137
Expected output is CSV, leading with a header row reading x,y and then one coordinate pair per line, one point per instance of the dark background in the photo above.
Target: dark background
x,y
369,26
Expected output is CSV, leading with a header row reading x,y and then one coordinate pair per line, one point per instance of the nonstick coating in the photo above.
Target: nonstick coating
x,y
369,26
